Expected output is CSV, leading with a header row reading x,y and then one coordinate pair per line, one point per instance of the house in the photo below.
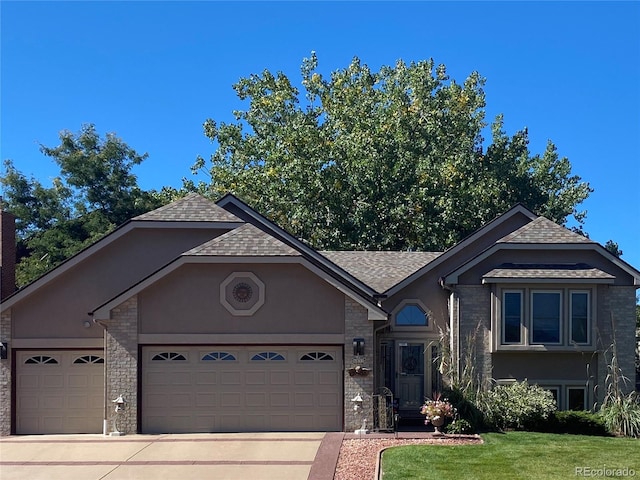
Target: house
x,y
207,317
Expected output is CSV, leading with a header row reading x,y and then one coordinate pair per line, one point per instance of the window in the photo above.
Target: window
x,y
579,315
560,317
313,356
267,356
89,359
411,315
41,359
545,317
214,356
168,356
512,317
576,398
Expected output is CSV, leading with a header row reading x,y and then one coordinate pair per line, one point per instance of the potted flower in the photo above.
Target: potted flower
x,y
436,412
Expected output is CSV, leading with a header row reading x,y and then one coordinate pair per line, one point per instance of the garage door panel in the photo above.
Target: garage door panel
x,y
255,378
52,381
304,399
304,378
280,378
206,378
231,399
243,389
230,378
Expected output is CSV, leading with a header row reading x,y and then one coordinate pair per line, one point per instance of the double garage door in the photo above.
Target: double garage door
x,y
59,391
228,389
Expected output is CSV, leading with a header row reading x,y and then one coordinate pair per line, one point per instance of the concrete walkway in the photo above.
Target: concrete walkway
x,y
253,456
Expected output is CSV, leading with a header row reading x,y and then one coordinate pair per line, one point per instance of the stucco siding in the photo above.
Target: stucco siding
x,y
62,305
187,301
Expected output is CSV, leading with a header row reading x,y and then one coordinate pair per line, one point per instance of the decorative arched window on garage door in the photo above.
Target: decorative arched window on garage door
x,y
41,360
219,356
89,359
168,356
269,356
313,356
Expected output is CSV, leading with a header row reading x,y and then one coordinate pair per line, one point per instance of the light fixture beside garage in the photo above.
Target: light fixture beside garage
x,y
242,293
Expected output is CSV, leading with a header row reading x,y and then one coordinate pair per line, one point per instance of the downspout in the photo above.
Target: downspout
x,y
452,296
105,423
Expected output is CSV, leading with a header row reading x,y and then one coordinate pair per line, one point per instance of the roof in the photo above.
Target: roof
x,y
380,270
578,271
246,240
191,208
543,230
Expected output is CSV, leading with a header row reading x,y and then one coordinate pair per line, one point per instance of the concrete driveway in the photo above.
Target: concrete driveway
x,y
231,456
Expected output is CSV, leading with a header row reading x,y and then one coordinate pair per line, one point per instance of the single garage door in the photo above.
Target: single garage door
x,y
230,389
59,391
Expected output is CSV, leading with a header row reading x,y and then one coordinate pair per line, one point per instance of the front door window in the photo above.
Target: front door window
x,y
411,375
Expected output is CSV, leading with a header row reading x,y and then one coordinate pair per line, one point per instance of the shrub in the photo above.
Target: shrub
x,y
466,408
459,426
574,423
621,415
517,406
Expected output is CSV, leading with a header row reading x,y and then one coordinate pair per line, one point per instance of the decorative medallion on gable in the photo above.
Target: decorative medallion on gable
x,y
242,293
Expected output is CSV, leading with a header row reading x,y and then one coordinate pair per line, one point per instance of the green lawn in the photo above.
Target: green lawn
x,y
516,455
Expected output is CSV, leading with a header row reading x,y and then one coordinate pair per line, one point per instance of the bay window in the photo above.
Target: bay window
x,y
531,317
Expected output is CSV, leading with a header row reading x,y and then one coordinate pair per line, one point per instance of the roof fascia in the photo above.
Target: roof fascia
x,y
103,311
100,244
309,252
518,209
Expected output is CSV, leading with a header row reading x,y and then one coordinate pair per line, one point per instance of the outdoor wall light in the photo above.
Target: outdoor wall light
x,y
86,324
358,346
4,350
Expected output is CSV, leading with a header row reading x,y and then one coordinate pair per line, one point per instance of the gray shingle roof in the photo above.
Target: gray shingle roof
x,y
191,208
244,241
543,230
380,270
547,271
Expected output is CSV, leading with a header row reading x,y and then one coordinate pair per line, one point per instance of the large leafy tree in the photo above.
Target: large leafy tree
x,y
393,159
95,192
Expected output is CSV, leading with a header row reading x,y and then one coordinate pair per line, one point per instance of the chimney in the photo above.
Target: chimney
x,y
7,254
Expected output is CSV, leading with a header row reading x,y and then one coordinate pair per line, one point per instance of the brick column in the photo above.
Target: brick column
x,y
357,325
475,326
122,364
616,323
5,376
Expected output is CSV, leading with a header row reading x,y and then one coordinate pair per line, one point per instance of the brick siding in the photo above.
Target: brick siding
x,y
357,325
122,364
5,377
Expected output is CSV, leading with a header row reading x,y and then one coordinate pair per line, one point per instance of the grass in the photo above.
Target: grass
x,y
514,455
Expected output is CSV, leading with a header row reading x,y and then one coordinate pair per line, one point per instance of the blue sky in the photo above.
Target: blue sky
x,y
152,72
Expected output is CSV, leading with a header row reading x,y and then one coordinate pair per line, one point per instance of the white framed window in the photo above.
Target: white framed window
x,y
512,317
546,317
535,318
579,317
576,398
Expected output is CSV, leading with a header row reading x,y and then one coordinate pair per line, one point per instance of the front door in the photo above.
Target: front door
x,y
411,379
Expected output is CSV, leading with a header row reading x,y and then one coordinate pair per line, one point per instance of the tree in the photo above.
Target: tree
x,y
393,159
613,248
95,193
